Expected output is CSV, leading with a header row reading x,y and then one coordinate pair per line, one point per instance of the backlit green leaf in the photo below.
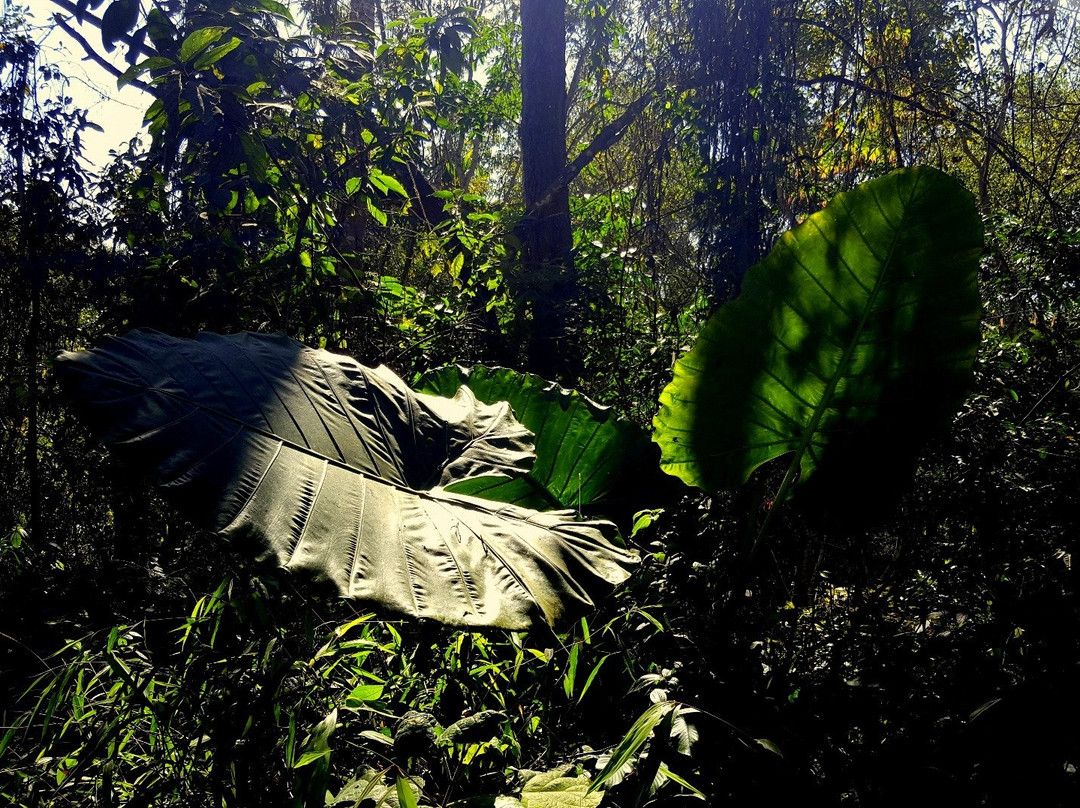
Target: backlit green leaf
x,y
215,54
633,741
362,694
385,183
849,344
195,42
406,798
376,214
584,454
146,65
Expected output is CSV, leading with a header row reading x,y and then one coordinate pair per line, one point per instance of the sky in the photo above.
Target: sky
x,y
120,113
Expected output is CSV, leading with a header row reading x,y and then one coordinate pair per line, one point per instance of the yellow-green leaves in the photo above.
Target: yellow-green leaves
x,y
197,41
214,54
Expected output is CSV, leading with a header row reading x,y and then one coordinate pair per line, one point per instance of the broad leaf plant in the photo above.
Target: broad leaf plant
x,y
849,345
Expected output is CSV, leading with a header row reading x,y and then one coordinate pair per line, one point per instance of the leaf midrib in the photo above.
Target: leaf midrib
x,y
435,494
144,388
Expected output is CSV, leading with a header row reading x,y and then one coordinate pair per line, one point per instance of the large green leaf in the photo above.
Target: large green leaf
x,y
849,344
584,455
371,789
558,788
327,466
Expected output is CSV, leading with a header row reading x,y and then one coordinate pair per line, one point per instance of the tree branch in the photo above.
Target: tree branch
x,y
604,140
94,56
993,143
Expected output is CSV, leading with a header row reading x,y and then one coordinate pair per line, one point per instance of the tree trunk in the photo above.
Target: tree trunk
x,y
549,282
364,12
24,243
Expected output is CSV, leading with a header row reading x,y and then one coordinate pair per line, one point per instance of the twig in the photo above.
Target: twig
x,y
1045,395
94,56
994,143
605,139
25,647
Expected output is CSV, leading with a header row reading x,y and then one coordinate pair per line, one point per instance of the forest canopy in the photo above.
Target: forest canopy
x,y
683,394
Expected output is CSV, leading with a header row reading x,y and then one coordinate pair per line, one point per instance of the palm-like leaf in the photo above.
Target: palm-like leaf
x,y
328,466
584,454
849,343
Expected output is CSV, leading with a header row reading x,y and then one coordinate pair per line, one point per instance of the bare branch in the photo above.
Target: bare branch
x,y
604,140
96,57
89,50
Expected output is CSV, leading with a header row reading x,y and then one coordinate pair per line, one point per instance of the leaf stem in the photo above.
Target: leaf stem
x,y
778,502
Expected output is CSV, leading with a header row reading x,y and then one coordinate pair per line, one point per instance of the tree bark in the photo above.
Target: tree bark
x,y
548,281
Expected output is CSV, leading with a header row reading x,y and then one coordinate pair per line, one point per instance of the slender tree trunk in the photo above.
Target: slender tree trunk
x,y
30,273
549,280
363,11
33,463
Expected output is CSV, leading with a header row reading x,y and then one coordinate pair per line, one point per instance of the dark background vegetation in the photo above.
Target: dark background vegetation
x,y
357,179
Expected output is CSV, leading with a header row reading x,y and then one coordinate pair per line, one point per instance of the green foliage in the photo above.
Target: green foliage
x,y
656,753
341,471
555,789
585,456
357,185
250,699
284,166
154,712
848,346
635,739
